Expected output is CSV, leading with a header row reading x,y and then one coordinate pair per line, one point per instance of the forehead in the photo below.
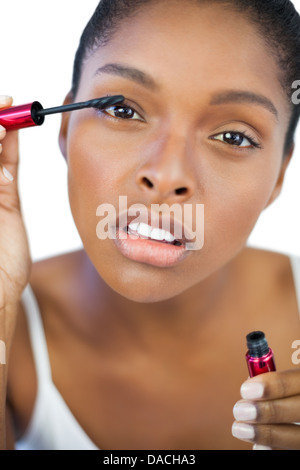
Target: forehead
x,y
195,48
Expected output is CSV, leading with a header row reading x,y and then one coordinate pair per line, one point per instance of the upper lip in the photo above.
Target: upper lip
x,y
176,226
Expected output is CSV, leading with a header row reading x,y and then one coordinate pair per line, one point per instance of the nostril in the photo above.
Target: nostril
x,y
181,191
147,182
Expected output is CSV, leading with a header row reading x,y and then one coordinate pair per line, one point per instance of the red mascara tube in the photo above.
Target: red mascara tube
x,y
19,117
259,357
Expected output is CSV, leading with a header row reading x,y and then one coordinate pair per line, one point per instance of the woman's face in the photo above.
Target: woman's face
x,y
205,112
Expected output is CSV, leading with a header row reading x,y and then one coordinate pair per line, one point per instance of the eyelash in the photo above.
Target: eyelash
x,y
243,134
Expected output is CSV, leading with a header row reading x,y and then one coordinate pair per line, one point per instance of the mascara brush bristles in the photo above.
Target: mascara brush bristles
x,y
98,103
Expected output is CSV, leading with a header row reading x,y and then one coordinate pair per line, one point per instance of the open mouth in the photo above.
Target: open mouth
x,y
150,244
146,232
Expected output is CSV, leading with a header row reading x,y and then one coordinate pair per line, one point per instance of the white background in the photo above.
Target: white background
x,y
38,43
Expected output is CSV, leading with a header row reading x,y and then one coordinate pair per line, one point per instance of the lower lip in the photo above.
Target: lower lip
x,y
149,251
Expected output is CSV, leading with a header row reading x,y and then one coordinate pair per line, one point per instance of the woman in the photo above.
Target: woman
x,y
124,345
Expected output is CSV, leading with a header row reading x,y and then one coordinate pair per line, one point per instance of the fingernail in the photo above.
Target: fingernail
x,y
244,412
242,431
7,174
4,99
252,390
259,447
2,129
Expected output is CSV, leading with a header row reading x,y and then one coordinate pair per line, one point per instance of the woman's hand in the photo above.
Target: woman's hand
x,y
15,260
268,411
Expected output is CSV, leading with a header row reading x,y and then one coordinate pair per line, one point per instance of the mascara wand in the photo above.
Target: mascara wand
x,y
33,114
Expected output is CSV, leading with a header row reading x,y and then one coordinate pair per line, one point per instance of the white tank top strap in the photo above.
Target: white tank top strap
x,y
295,264
37,335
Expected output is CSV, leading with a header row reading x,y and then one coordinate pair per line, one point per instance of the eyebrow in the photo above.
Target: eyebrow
x,y
240,96
136,75
225,97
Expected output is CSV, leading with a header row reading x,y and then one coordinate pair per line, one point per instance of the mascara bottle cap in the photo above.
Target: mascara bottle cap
x,y
257,344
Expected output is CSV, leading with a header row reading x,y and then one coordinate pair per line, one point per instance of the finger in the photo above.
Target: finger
x,y
9,165
10,149
284,410
2,132
5,101
272,385
276,436
5,176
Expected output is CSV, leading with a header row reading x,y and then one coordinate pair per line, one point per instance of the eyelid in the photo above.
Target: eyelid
x,y
132,104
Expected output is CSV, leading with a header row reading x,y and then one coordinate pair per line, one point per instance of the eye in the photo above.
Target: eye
x,y
123,111
237,139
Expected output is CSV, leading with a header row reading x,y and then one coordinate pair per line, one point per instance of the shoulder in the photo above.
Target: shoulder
x,y
49,276
277,265
265,255
59,283
271,276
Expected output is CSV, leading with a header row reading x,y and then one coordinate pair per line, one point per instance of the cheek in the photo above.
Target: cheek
x,y
91,182
233,206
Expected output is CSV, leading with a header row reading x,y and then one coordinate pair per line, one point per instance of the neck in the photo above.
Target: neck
x,y
175,319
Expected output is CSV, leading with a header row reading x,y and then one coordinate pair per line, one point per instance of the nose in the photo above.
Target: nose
x,y
168,171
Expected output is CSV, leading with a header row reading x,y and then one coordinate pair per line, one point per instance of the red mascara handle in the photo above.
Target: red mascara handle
x,y
261,365
19,117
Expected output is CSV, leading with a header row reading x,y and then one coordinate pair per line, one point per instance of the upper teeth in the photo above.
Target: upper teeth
x,y
156,233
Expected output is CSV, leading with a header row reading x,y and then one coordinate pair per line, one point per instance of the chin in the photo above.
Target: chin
x,y
149,288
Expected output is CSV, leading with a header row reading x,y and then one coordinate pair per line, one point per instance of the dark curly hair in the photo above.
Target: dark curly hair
x,y
276,21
